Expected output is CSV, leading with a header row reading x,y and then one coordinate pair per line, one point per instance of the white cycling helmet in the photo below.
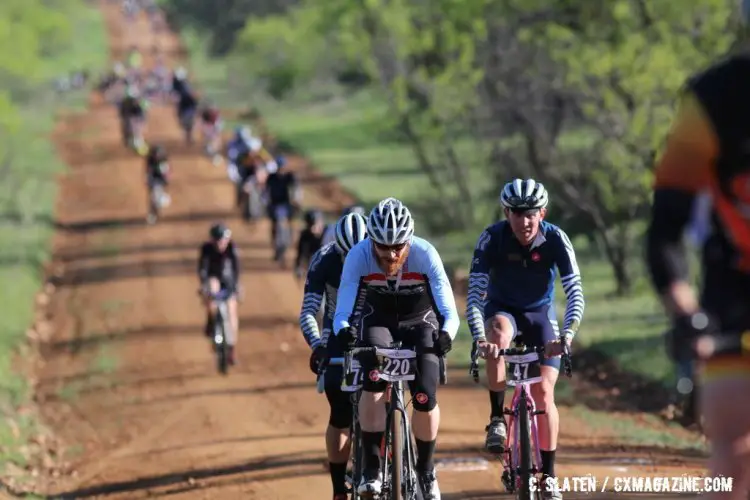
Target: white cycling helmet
x,y
350,230
524,194
390,223
255,144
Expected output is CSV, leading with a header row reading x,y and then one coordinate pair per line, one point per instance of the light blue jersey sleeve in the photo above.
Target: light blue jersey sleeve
x,y
355,266
431,265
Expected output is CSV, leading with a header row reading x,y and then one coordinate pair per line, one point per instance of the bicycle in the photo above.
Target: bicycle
x,y
353,385
523,369
223,335
395,366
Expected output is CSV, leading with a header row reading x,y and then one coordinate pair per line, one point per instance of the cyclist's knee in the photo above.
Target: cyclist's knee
x,y
341,409
500,330
544,391
425,401
425,389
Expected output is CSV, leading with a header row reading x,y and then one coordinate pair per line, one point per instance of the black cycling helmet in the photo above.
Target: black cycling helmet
x,y
219,231
313,216
354,209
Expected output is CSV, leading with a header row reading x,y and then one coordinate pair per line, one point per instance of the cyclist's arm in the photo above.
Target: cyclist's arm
x,y
479,279
442,292
565,258
355,266
681,173
315,287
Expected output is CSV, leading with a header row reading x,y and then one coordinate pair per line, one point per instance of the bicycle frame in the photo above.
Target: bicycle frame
x,y
512,463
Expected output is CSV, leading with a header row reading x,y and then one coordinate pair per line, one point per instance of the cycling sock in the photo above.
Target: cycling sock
x,y
371,449
338,477
548,462
425,454
497,400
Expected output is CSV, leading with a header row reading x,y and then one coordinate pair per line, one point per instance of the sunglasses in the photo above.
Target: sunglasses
x,y
389,248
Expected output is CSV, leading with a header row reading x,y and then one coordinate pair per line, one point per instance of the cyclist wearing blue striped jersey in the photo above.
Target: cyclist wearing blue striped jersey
x,y
406,296
323,279
511,290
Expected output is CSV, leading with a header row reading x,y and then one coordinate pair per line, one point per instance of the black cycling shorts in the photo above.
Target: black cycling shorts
x,y
340,402
416,332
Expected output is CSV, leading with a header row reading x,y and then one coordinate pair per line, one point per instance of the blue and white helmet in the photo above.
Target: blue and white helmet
x,y
524,194
350,230
390,223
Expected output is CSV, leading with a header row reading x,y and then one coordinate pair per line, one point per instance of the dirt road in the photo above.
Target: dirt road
x,y
129,384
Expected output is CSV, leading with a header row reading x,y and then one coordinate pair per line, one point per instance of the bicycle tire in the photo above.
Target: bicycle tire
x,y
221,348
397,454
524,447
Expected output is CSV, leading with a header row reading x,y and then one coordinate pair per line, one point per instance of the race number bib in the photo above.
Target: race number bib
x,y
352,382
396,365
523,369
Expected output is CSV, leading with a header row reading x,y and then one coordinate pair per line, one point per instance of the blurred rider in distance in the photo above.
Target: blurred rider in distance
x,y
309,240
219,270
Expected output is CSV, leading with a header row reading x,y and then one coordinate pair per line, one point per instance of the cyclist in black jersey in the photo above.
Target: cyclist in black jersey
x,y
706,154
219,269
283,193
309,240
157,175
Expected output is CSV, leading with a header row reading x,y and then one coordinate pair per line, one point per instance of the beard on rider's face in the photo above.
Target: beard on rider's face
x,y
391,261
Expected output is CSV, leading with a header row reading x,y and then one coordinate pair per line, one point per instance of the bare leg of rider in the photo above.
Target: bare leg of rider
x,y
213,287
728,427
234,319
500,333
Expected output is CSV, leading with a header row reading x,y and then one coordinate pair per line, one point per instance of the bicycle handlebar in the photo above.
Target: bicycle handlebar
x,y
567,364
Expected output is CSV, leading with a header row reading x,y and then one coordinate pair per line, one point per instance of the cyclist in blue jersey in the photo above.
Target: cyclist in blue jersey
x,y
329,233
323,279
511,290
406,297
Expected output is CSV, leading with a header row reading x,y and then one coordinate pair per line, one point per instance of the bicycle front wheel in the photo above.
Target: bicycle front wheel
x,y
220,340
396,453
524,441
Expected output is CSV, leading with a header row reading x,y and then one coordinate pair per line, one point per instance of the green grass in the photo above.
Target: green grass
x,y
27,198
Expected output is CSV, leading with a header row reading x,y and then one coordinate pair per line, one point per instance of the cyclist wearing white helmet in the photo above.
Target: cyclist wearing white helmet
x,y
323,278
329,234
407,297
512,289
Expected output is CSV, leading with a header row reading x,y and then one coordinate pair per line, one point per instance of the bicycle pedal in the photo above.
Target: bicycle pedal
x,y
538,412
508,411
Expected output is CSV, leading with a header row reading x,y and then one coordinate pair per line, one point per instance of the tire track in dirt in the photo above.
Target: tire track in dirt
x,y
129,380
